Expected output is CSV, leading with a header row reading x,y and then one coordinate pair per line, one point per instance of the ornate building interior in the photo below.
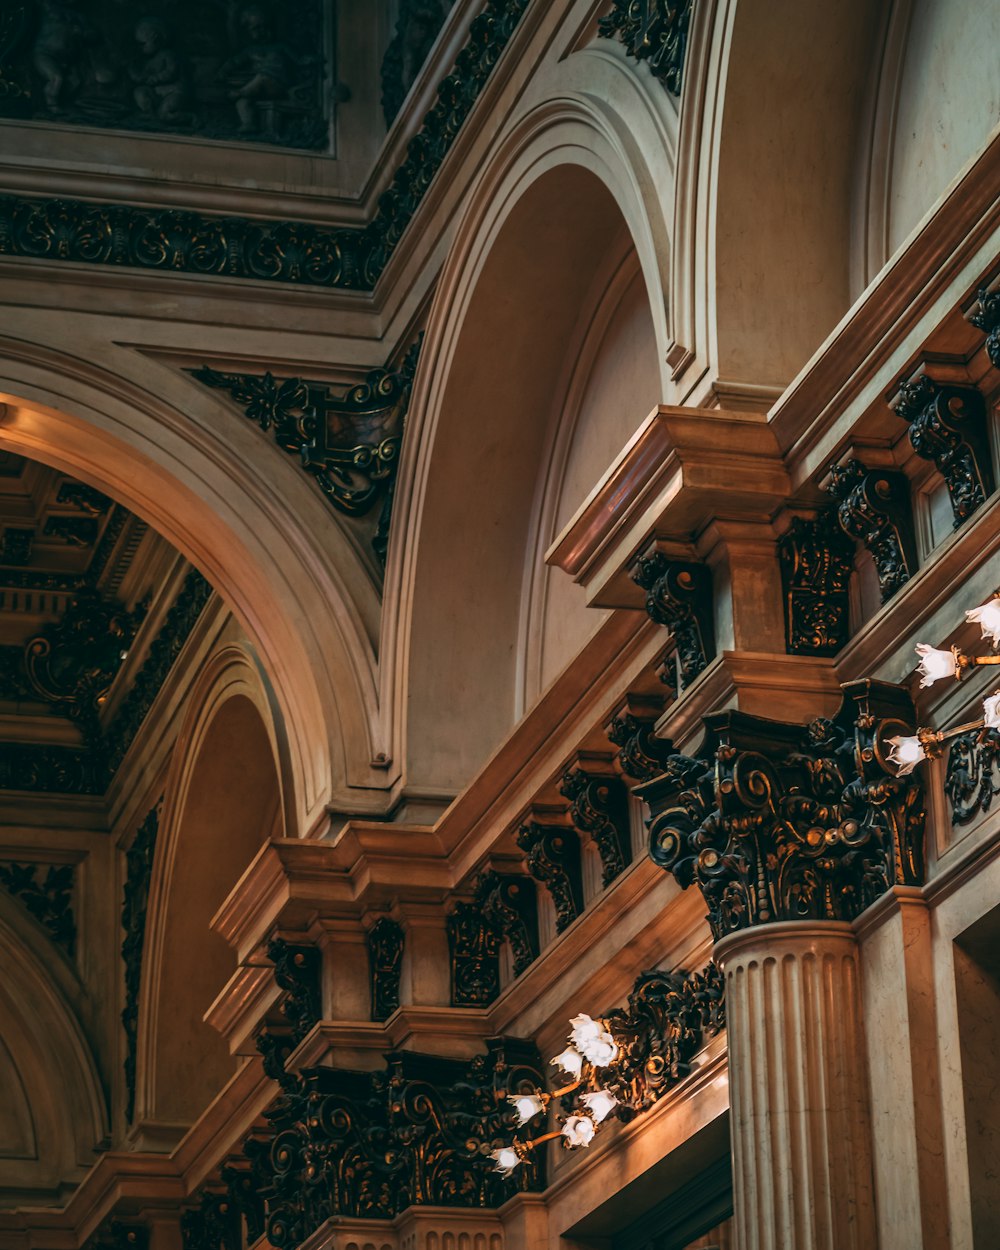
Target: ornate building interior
x,y
499,734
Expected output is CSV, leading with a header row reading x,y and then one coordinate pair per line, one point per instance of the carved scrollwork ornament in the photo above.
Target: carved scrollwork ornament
x,y
874,508
781,822
385,965
654,31
599,809
509,905
987,319
475,957
679,597
46,891
552,856
948,427
817,559
642,753
972,777
297,971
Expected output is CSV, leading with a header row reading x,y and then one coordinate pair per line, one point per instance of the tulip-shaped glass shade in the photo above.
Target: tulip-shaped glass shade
x,y
906,754
579,1130
600,1104
506,1160
935,664
988,619
571,1062
527,1106
991,711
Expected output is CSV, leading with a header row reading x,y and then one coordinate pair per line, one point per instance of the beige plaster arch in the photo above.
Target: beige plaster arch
x,y
51,1056
558,192
247,517
222,799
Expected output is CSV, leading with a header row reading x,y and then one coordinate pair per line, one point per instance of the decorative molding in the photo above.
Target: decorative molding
x,y
46,890
654,31
297,971
874,508
948,427
679,597
987,319
670,1017
776,822
385,966
237,74
971,779
508,903
138,873
552,856
474,946
349,443
642,754
368,1145
599,808
176,241
817,559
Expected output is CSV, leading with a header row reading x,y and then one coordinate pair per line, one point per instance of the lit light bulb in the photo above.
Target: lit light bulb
x,y
991,711
936,664
527,1106
506,1160
579,1130
906,754
571,1062
987,618
600,1104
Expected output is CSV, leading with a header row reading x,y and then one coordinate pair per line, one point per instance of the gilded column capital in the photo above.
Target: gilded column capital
x,y
777,822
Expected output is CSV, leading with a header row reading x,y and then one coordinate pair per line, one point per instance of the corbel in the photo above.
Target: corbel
x,y
599,808
642,754
552,855
947,419
508,902
985,316
679,597
385,941
874,508
474,946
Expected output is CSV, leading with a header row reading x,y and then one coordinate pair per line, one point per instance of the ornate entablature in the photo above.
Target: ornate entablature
x,y
776,822
241,72
349,443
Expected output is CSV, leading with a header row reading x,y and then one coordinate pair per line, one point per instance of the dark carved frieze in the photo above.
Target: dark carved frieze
x,y
874,508
46,890
38,767
948,427
642,754
350,443
508,903
774,821
214,1224
368,1145
138,874
118,1235
177,241
972,778
817,559
552,856
237,72
654,31
474,946
679,597
669,1018
297,970
417,27
15,545
599,809
987,318
385,966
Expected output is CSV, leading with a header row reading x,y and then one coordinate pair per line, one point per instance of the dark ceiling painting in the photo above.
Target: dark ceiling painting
x,y
218,69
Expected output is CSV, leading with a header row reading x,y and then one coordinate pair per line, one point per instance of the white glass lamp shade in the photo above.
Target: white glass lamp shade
x,y
935,664
906,754
506,1160
527,1106
600,1104
579,1130
987,618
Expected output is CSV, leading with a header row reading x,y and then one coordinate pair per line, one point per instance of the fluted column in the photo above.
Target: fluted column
x,y
802,1170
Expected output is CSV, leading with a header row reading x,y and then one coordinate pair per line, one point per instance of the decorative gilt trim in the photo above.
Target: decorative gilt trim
x,y
948,427
138,874
874,508
508,903
779,822
817,559
385,965
552,856
599,808
46,891
654,31
475,957
679,597
971,780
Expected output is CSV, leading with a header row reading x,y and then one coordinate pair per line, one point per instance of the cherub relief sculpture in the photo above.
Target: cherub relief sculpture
x,y
263,74
160,74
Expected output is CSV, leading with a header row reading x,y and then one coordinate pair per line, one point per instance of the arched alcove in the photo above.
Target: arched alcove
x,y
507,421
222,803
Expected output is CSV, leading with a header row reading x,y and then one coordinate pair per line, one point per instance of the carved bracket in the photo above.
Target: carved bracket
x,y
508,903
787,822
874,508
552,856
385,965
642,755
948,427
679,596
972,779
654,31
987,319
475,957
599,809
350,443
297,971
46,890
817,559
